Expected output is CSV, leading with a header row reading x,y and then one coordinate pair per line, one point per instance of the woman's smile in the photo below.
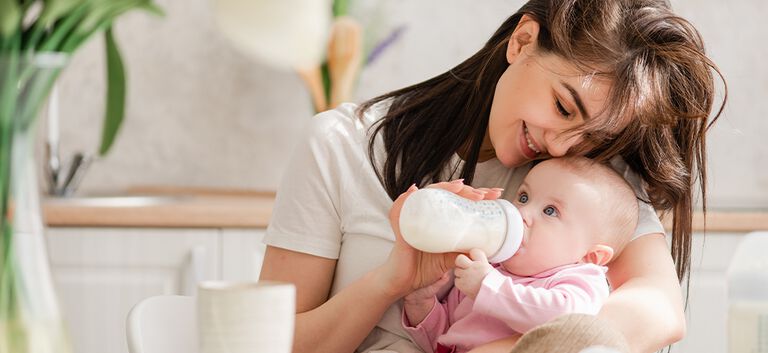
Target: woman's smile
x,y
527,144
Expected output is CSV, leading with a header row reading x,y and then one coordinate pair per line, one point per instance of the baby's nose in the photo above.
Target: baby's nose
x,y
526,217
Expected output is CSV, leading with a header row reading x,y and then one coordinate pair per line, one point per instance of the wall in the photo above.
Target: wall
x,y
200,113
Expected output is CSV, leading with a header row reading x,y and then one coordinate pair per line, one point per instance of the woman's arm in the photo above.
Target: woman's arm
x,y
322,324
646,304
340,323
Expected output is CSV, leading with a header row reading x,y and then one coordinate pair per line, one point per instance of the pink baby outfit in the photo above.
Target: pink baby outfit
x,y
508,304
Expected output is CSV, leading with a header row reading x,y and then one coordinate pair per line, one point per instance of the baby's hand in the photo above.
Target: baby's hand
x,y
419,303
471,272
426,294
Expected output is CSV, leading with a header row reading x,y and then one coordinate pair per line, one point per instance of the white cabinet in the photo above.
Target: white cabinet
x,y
100,273
707,314
242,254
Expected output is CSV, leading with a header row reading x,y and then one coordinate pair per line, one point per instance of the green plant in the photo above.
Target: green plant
x,y
32,26
37,37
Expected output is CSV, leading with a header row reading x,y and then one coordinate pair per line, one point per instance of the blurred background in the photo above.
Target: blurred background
x,y
202,113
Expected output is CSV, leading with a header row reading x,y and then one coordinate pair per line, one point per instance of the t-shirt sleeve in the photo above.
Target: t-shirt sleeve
x,y
305,216
648,221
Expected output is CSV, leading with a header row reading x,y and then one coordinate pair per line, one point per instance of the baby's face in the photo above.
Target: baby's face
x,y
561,212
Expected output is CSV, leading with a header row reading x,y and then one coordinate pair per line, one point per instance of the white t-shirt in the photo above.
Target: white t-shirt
x,y
331,204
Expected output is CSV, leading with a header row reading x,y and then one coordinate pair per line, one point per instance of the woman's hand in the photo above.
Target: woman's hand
x,y
408,269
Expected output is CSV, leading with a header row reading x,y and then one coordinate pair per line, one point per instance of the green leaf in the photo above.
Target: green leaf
x,y
115,93
64,28
101,15
10,18
54,10
152,8
102,11
340,8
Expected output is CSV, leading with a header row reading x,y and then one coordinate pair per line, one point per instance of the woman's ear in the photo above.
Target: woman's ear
x,y
524,36
599,255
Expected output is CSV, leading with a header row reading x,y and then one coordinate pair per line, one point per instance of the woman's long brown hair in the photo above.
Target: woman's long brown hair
x,y
662,94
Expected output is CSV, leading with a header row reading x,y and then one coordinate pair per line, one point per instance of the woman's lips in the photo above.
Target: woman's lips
x,y
527,151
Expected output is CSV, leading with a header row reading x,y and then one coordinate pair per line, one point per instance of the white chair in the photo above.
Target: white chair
x,y
163,324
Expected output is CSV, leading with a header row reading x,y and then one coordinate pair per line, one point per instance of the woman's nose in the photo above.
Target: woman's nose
x,y
558,143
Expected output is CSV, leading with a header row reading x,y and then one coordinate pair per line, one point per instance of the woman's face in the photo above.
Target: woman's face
x,y
537,99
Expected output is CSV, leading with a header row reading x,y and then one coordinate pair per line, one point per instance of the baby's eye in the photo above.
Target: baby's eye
x,y
523,198
551,211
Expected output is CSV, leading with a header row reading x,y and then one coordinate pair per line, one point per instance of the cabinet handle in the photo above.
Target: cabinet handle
x,y
195,270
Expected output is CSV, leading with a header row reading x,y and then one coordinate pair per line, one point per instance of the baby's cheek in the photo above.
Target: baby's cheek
x,y
515,261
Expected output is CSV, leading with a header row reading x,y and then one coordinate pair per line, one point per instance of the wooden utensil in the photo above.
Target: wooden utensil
x,y
344,58
313,79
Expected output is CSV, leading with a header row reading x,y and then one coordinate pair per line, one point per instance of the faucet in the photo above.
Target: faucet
x,y
60,184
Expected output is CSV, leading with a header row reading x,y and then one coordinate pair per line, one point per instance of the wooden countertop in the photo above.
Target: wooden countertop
x,y
727,221
216,208
170,207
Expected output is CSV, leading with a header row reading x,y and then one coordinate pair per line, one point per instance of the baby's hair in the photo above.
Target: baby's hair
x,y
619,201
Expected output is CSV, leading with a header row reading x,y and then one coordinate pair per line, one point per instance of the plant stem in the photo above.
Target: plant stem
x,y
8,103
33,91
9,66
52,42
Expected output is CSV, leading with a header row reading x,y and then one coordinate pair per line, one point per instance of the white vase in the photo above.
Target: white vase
x,y
30,318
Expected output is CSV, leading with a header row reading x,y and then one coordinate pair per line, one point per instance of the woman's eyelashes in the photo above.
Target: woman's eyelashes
x,y
561,109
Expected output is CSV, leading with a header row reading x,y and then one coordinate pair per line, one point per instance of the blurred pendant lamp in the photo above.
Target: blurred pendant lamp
x,y
286,34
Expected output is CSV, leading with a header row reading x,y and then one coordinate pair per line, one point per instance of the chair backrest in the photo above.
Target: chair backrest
x,y
163,324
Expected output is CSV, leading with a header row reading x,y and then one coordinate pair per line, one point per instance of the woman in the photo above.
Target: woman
x,y
610,79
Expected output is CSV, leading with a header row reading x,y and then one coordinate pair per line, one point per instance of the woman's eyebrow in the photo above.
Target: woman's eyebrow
x,y
577,99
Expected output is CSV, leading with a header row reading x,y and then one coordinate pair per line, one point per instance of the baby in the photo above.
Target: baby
x,y
578,215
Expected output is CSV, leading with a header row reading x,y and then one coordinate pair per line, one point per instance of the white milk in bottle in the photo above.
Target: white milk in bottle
x,y
439,221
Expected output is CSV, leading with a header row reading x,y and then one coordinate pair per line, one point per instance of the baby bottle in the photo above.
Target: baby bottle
x,y
439,221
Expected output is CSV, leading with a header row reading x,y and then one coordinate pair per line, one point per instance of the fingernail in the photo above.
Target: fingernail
x,y
458,181
498,189
413,187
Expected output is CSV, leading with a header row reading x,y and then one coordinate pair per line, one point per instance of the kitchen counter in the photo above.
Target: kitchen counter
x,y
163,207
213,208
727,221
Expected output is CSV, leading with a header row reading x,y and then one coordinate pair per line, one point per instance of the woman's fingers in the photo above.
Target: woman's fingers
x,y
492,193
476,194
394,212
452,186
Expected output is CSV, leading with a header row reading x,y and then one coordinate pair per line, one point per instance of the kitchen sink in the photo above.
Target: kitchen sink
x,y
117,200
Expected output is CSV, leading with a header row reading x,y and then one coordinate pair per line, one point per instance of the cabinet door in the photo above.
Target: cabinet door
x,y
707,314
100,273
243,254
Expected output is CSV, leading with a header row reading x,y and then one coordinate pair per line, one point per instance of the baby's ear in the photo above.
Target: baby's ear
x,y
599,255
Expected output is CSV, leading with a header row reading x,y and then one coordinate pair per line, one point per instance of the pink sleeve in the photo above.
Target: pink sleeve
x,y
582,289
436,323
